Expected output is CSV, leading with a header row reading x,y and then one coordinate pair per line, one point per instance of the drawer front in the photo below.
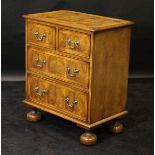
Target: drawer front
x,y
41,34
59,67
58,97
74,42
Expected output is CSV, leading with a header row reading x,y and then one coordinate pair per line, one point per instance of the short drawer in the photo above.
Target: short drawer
x,y
63,68
58,97
41,34
74,42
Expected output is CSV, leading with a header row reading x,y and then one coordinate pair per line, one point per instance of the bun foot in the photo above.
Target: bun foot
x,y
117,127
33,116
88,138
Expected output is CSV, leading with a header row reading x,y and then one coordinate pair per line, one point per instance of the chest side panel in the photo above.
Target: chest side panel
x,y
110,57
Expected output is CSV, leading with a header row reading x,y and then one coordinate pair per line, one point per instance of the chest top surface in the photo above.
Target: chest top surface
x,y
80,20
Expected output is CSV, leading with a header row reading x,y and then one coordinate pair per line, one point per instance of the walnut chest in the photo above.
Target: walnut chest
x,y
77,68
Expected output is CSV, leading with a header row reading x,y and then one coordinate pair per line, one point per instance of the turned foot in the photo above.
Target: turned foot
x,y
116,127
88,138
33,116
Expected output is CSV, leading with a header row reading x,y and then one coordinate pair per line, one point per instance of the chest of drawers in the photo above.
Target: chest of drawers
x,y
77,68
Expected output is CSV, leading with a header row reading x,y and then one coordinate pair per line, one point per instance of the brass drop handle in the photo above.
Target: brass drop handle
x,y
70,103
73,44
39,92
39,37
37,64
74,74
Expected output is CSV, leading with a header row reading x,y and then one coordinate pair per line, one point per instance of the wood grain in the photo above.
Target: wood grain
x,y
49,31
62,114
82,38
56,66
98,47
79,20
109,73
55,97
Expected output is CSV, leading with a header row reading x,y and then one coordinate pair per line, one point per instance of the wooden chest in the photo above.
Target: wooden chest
x,y
77,68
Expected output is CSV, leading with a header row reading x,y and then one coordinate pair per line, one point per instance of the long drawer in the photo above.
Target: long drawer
x,y
63,68
56,96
